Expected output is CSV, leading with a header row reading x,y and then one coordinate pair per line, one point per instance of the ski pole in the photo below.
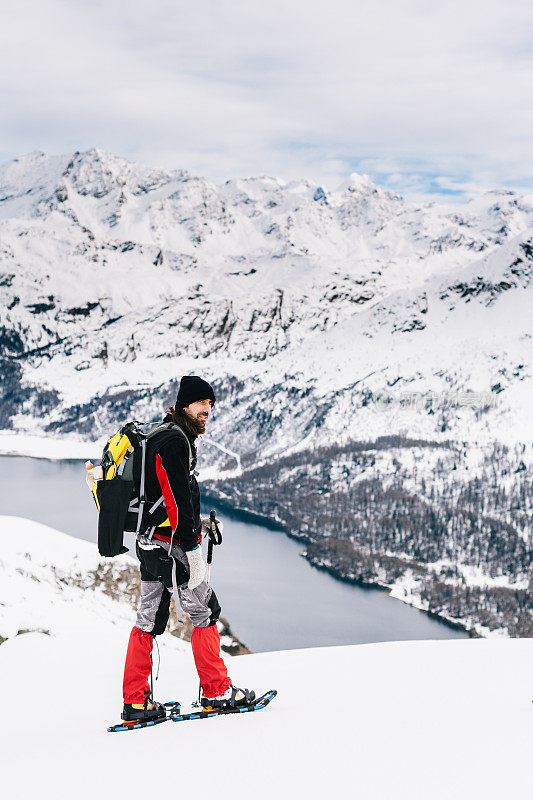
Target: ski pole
x,y
215,537
209,549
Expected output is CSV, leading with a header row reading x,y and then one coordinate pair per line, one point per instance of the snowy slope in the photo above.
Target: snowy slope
x,y
46,577
49,447
308,305
411,720
55,583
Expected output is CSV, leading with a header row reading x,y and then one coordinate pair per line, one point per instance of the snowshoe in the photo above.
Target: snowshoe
x,y
142,712
233,697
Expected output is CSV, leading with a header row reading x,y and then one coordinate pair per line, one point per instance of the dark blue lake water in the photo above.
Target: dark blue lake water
x,y
271,596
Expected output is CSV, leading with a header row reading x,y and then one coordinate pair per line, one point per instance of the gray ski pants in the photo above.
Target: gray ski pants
x,y
156,564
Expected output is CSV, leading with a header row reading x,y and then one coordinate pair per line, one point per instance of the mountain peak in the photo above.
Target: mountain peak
x,y
358,182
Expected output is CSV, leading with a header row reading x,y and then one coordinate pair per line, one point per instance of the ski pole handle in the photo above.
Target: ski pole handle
x,y
215,537
214,532
212,516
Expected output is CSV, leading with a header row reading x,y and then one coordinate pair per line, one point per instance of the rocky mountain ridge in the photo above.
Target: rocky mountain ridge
x,y
116,277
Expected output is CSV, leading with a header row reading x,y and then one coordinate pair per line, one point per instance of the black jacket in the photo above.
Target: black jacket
x,y
169,472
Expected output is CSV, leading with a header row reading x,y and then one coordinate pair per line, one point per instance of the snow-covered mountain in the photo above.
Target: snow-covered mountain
x,y
329,323
313,312
411,720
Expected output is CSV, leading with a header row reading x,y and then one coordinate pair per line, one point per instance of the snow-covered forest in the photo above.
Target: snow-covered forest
x,y
445,525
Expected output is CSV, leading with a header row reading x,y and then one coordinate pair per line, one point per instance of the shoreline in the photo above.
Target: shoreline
x,y
42,445
28,445
250,516
244,514
383,587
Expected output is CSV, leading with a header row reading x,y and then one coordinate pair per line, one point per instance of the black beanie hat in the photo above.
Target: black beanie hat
x,y
193,388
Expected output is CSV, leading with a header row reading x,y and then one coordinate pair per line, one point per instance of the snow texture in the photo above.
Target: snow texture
x,y
413,720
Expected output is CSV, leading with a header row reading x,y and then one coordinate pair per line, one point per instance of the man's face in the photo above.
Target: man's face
x,y
199,411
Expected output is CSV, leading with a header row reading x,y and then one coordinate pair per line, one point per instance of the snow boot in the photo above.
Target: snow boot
x,y
141,712
233,697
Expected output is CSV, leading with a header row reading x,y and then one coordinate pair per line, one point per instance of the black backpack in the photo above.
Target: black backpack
x,y
120,495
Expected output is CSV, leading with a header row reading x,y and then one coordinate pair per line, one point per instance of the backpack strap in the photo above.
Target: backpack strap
x,y
142,495
172,426
161,428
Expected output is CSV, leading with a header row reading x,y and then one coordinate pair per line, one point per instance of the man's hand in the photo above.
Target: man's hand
x,y
196,566
206,525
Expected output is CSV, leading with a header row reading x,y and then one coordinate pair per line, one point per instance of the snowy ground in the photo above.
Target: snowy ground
x,y
411,720
417,720
53,447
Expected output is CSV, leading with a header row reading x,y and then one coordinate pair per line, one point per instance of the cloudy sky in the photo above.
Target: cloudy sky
x,y
429,97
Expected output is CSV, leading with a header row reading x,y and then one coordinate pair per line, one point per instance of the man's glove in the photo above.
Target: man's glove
x,y
206,528
196,566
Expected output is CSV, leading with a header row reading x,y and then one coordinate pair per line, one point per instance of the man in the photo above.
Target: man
x,y
171,560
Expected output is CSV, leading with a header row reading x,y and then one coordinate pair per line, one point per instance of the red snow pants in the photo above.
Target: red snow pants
x,y
206,652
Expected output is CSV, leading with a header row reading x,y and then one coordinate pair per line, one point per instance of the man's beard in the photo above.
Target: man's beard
x,y
198,424
192,425
195,426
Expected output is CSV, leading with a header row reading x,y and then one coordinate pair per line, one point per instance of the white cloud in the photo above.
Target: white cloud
x,y
414,89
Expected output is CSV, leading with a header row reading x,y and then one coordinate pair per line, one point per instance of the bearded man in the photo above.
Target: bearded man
x,y
171,562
